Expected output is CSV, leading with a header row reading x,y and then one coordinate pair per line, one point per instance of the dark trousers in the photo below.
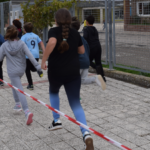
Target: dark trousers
x,y
1,70
95,54
30,67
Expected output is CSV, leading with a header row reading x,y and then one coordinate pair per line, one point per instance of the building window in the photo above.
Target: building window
x,y
143,9
118,14
94,12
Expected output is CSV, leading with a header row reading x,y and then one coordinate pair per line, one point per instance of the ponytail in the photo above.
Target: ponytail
x,y
64,46
63,19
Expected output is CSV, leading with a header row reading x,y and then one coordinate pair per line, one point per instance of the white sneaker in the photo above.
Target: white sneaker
x,y
88,141
99,80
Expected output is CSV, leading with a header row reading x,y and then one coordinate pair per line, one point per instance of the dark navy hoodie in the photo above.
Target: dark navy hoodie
x,y
84,58
1,40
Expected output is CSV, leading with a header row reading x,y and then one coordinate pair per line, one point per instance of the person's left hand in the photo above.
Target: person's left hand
x,y
44,66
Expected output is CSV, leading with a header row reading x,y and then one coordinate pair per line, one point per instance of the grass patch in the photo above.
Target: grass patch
x,y
129,71
146,24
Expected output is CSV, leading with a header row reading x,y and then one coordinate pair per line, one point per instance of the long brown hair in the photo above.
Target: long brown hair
x,y
63,19
17,23
11,33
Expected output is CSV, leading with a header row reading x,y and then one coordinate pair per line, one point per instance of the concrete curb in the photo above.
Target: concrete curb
x,y
127,77
123,76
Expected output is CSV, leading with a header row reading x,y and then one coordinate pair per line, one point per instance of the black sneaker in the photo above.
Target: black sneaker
x,y
1,83
104,78
30,87
55,125
88,141
40,73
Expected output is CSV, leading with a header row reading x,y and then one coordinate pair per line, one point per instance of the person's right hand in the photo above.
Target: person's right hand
x,y
44,66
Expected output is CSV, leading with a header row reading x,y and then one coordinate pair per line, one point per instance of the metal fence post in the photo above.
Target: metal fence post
x,y
2,19
110,34
73,9
106,33
44,36
10,9
114,34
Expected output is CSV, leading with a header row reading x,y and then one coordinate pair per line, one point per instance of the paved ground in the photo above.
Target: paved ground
x,y
121,113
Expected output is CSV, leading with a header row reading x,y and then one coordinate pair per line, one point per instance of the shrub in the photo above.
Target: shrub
x,y
41,13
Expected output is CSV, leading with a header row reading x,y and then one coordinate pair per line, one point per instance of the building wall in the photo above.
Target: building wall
x,y
133,5
78,13
143,19
20,1
134,22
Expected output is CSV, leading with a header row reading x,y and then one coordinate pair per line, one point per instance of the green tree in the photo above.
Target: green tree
x,y
42,12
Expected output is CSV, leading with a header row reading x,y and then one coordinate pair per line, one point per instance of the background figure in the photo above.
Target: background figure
x,y
85,61
104,25
18,25
90,34
63,48
84,23
1,62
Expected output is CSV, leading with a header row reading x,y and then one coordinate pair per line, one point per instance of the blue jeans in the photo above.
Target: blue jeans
x,y
72,88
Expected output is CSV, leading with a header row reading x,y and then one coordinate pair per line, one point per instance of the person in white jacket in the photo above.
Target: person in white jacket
x,y
15,52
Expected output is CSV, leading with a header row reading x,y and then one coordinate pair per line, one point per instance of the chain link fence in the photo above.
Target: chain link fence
x,y
124,37
125,44
97,9
132,45
5,8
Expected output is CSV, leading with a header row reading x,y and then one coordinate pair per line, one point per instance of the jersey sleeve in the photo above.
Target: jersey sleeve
x,y
23,38
38,39
80,41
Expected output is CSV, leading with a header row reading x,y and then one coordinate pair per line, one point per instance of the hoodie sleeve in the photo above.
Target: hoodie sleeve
x,y
2,53
31,58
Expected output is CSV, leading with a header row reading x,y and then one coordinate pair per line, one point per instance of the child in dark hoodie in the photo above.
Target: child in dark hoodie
x,y
15,52
90,34
85,62
18,25
1,62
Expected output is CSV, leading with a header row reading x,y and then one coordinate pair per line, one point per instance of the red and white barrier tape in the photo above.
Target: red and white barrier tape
x,y
71,119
